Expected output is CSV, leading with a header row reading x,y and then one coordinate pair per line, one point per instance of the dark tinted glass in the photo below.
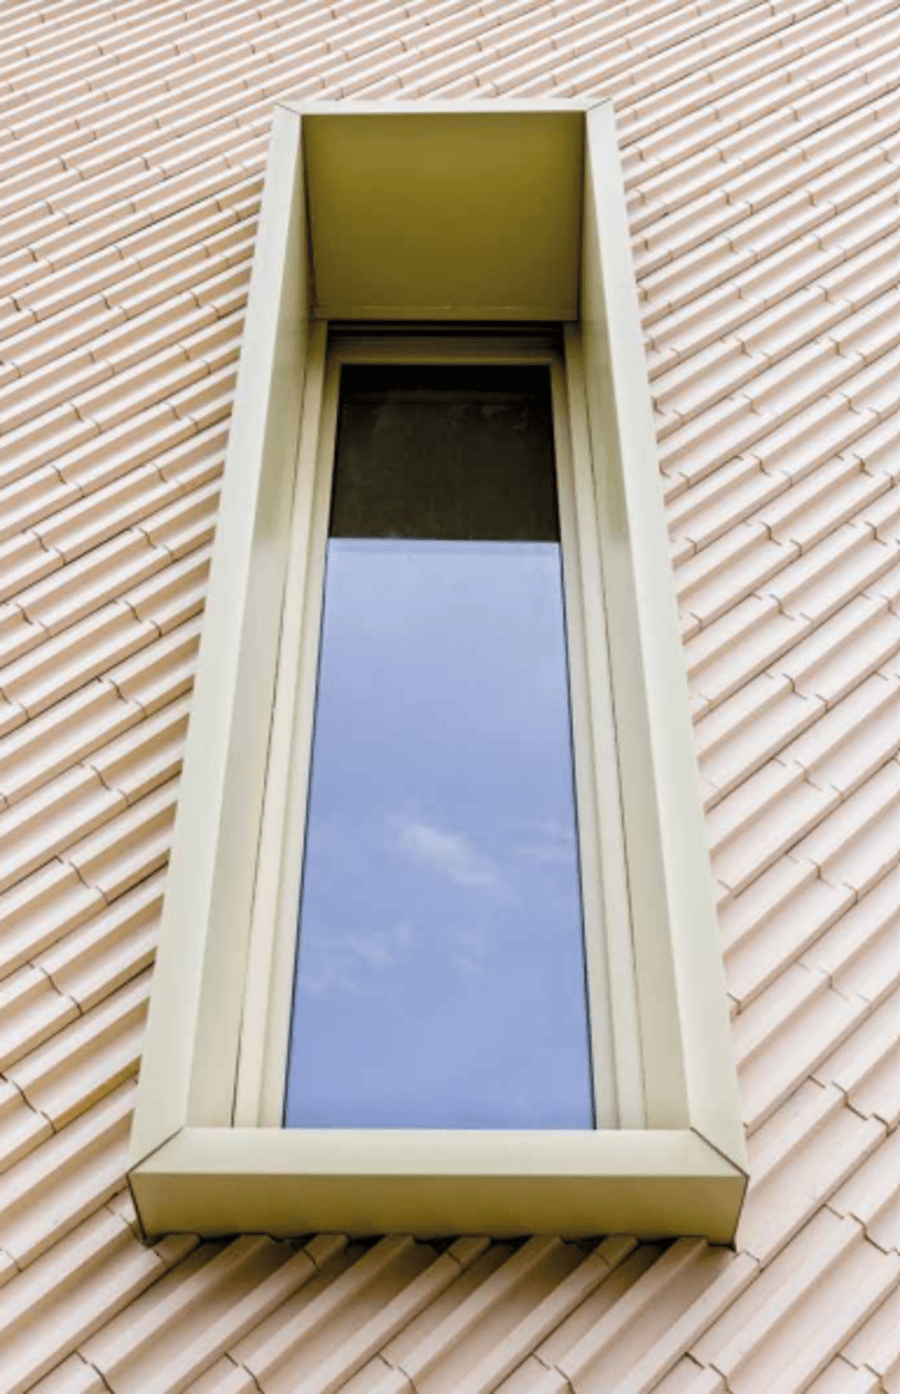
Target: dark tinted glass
x,y
440,967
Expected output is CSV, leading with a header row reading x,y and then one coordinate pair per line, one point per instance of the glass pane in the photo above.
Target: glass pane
x,y
440,977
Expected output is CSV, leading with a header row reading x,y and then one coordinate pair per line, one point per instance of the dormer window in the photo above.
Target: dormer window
x,y
439,951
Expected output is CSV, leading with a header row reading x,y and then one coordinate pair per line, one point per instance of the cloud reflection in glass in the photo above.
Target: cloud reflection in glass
x,y
440,977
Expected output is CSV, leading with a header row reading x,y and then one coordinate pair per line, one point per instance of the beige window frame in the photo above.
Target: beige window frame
x,y
496,213
615,1042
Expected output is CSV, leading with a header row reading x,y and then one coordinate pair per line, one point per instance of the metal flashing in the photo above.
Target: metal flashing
x,y
324,167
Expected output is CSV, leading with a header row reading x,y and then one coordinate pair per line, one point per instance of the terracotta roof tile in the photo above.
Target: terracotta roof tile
x,y
763,167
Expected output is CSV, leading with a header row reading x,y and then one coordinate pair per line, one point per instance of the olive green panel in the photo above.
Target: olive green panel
x,y
190,1049
439,215
283,1182
626,469
688,1052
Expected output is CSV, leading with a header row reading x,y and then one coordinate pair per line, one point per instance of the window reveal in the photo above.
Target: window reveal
x,y
440,977
208,1154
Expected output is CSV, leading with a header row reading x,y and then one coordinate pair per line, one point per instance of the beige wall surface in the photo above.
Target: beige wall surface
x,y
761,146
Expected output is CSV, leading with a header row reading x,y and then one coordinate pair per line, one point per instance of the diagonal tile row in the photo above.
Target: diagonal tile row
x,y
761,153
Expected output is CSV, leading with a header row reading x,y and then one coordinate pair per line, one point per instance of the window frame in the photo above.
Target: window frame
x,y
265,1026
195,1166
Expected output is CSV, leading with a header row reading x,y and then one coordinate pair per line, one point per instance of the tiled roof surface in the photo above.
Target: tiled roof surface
x,y
761,141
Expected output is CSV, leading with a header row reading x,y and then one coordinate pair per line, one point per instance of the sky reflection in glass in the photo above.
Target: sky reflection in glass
x,y
440,977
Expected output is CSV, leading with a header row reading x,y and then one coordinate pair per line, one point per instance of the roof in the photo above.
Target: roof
x,y
761,143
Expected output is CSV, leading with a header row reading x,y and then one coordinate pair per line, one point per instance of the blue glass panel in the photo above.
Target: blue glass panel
x,y
440,970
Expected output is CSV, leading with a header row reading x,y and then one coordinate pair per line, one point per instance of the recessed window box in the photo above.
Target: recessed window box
x,y
405,253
